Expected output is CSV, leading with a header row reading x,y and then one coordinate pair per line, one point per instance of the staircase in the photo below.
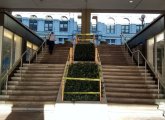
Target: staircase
x,y
124,82
40,80
114,55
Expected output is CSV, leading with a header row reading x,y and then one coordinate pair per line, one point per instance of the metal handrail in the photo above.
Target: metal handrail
x,y
9,71
146,63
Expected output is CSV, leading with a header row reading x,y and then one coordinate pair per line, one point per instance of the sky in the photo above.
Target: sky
x,y
107,18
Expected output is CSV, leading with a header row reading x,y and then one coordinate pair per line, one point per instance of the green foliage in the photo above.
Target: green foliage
x,y
84,52
81,86
76,97
83,70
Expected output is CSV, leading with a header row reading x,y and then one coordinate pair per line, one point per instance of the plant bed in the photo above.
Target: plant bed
x,y
84,52
78,89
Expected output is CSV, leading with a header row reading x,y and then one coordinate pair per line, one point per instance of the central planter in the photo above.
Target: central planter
x,y
82,90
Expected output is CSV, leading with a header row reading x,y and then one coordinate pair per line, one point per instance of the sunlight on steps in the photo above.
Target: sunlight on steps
x,y
88,111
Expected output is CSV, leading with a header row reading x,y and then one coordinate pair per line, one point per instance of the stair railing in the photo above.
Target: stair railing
x,y
5,77
65,75
146,63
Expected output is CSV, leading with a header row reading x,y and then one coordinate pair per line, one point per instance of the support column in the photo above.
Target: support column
x,y
86,15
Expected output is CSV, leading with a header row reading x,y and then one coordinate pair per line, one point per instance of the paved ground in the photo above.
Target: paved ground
x,y
82,111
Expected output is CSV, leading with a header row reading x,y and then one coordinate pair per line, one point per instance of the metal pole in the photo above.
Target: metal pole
x,y
145,70
7,81
138,59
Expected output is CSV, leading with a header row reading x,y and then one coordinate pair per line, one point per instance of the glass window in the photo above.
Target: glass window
x,y
125,29
7,50
63,26
94,28
18,17
33,22
29,46
150,51
113,41
138,28
49,23
111,29
160,52
79,27
17,47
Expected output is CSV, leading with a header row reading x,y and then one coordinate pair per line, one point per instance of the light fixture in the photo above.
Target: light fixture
x,y
131,1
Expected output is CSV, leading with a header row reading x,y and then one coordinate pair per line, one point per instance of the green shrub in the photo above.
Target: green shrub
x,y
81,86
83,70
83,97
84,52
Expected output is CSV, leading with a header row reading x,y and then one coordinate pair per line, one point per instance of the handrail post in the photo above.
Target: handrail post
x,y
145,71
138,58
158,87
100,89
29,57
21,70
36,56
7,81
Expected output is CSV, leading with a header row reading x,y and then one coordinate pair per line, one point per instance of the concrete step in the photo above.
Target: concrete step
x,y
40,68
121,85
131,100
30,92
44,65
60,71
31,98
132,95
125,70
122,67
127,77
125,73
37,75
131,90
36,79
31,83
128,81
25,87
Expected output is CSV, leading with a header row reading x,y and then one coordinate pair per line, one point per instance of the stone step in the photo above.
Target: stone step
x,y
37,75
122,67
36,79
125,73
124,70
40,68
121,85
132,95
30,92
127,77
25,87
31,83
131,90
31,98
60,71
131,100
128,81
44,65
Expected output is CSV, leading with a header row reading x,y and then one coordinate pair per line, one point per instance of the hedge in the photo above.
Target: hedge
x,y
84,52
82,70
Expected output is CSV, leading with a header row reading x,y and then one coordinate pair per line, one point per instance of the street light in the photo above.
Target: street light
x,y
142,19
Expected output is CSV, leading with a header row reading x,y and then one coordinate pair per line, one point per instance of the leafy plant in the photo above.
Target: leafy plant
x,y
83,70
84,52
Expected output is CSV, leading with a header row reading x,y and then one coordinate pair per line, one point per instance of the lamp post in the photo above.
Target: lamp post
x,y
142,20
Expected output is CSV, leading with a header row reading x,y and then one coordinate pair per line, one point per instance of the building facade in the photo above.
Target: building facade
x,y
65,29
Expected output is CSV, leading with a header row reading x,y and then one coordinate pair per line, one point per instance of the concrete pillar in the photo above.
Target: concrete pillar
x,y
86,15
